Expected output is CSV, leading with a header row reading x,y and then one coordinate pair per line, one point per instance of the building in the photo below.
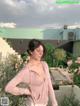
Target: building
x,y
65,38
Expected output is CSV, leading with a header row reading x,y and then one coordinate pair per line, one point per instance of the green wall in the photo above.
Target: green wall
x,y
76,48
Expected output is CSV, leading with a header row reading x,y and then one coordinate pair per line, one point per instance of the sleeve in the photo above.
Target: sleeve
x,y
50,88
22,76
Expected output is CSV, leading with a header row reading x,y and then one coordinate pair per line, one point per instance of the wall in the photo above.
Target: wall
x,y
76,48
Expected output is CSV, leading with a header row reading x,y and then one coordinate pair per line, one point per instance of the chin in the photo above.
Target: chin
x,y
39,59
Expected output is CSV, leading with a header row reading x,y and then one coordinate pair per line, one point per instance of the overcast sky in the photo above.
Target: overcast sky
x,y
38,13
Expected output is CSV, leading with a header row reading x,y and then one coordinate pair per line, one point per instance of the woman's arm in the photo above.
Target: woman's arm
x,y
22,76
50,88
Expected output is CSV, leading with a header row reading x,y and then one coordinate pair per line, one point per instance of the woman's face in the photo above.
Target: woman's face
x,y
37,53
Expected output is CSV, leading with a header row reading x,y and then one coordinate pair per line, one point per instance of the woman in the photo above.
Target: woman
x,y
36,75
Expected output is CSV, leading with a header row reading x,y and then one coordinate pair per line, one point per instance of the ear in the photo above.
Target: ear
x,y
30,52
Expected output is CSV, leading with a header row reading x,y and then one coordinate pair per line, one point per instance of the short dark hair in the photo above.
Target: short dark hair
x,y
33,44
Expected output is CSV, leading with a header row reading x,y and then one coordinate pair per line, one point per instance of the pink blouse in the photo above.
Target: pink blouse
x,y
40,89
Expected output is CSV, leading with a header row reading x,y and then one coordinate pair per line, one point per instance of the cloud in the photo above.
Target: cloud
x,y
44,5
15,6
35,13
55,25
10,2
15,3
7,25
39,6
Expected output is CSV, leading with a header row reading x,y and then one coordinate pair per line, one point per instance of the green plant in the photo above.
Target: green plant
x,y
59,57
7,72
76,79
70,101
74,66
24,56
59,54
70,56
49,55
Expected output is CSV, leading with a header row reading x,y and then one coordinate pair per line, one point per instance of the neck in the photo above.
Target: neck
x,y
33,60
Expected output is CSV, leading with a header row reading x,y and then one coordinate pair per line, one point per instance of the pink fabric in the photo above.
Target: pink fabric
x,y
29,102
40,89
